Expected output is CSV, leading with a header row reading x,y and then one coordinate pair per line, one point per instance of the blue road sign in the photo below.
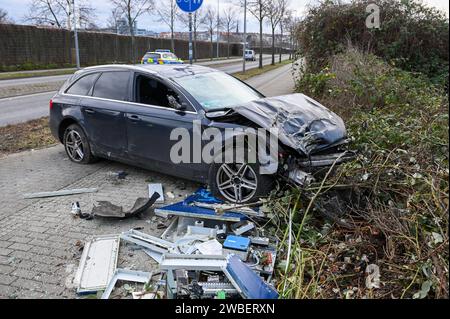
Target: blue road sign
x,y
189,5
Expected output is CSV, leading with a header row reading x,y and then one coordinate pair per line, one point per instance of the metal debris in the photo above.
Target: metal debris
x,y
64,192
106,209
98,264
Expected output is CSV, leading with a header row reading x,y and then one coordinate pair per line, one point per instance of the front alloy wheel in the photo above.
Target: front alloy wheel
x,y
236,182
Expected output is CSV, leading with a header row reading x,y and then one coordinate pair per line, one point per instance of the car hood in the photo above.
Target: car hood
x,y
303,123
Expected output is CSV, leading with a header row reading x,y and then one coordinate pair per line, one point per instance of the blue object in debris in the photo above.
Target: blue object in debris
x,y
236,242
187,208
251,285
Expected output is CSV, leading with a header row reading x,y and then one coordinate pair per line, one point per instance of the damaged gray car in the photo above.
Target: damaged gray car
x,y
130,113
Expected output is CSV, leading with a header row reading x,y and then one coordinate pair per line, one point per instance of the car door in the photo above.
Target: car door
x,y
150,121
103,111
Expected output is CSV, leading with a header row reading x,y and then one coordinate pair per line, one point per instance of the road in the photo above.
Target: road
x,y
23,108
276,82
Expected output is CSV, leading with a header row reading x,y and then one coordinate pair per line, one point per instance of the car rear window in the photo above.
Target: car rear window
x,y
169,56
151,56
112,85
83,85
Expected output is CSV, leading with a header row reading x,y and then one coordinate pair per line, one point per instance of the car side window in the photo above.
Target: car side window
x,y
112,85
83,85
153,92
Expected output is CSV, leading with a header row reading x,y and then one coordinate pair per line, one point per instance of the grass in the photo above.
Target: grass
x,y
20,75
256,71
36,133
25,136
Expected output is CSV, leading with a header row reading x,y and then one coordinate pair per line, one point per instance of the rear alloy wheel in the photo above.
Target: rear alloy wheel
x,y
77,145
239,183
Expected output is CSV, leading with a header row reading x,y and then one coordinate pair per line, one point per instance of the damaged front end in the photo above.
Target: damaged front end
x,y
310,135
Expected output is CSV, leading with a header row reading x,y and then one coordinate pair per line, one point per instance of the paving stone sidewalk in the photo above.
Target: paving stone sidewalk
x,y
41,243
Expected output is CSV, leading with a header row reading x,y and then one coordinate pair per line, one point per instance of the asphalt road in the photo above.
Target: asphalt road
x,y
20,109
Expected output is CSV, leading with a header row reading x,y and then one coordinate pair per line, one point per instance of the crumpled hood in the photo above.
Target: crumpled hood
x,y
303,123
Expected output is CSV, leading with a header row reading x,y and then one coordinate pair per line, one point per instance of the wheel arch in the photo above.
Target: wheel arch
x,y
65,123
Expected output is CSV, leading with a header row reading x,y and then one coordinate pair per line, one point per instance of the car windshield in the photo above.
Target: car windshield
x,y
151,55
217,90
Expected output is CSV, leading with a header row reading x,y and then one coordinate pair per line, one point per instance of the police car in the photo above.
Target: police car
x,y
161,57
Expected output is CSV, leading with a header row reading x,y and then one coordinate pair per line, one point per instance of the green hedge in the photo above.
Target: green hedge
x,y
412,36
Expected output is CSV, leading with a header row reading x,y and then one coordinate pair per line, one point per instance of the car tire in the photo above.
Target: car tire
x,y
77,145
243,179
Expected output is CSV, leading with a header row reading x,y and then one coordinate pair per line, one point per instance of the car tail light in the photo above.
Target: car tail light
x,y
51,104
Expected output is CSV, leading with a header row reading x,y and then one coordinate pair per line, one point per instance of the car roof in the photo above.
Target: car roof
x,y
164,70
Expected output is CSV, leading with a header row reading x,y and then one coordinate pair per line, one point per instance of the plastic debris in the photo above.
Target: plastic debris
x,y
373,276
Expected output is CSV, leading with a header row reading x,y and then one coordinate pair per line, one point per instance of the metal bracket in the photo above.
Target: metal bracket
x,y
126,275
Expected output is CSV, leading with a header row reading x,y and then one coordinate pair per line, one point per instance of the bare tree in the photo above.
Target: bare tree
x,y
59,13
210,21
229,21
283,23
168,15
275,13
113,20
291,24
131,10
258,8
46,12
85,14
198,19
4,16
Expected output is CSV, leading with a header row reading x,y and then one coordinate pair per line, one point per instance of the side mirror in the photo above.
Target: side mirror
x,y
175,104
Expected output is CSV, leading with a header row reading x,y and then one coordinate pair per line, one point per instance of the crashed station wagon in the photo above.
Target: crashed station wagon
x,y
129,114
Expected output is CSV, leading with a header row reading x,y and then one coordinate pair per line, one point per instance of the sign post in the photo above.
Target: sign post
x,y
244,46
189,6
190,38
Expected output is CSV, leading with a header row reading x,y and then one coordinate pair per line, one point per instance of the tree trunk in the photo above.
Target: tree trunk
x,y
273,46
228,44
281,41
133,53
212,46
172,44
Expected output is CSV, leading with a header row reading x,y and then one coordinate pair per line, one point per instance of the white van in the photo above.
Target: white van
x,y
250,55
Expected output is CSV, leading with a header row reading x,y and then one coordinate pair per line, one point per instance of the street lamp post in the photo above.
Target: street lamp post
x,y
218,22
245,37
77,51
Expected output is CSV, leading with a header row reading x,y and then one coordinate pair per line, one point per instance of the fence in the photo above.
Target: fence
x,y
41,46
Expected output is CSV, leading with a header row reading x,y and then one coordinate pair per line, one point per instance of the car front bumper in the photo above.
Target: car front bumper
x,y
300,172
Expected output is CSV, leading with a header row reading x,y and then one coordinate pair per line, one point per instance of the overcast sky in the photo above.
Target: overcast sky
x,y
18,8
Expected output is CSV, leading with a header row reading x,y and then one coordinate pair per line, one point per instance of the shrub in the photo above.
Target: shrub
x,y
412,36
389,206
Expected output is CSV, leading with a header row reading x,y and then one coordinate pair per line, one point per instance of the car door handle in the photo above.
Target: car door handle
x,y
89,111
134,118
